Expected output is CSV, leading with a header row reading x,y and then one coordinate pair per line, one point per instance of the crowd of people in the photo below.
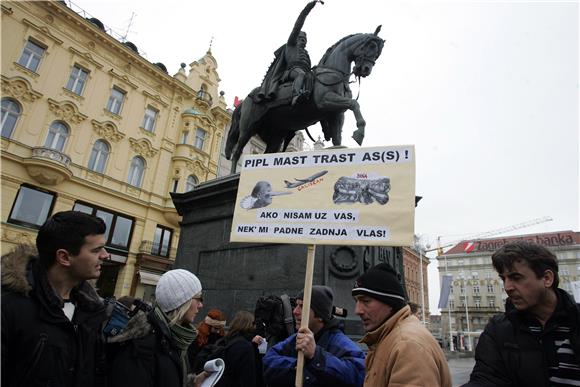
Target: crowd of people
x,y
53,320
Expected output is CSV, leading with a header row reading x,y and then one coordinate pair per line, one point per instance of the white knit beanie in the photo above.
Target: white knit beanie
x,y
175,288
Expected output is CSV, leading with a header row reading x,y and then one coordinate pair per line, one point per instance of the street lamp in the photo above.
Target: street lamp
x,y
422,286
466,312
449,312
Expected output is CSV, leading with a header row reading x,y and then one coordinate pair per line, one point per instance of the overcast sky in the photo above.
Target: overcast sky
x,y
487,92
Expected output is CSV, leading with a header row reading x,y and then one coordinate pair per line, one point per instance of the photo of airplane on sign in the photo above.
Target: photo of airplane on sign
x,y
299,182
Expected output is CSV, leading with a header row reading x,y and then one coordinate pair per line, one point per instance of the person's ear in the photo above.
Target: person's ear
x,y
548,278
63,257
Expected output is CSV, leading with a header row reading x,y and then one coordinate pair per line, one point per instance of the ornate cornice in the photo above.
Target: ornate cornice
x,y
143,147
19,88
86,56
42,30
107,130
156,98
196,167
6,10
123,78
66,110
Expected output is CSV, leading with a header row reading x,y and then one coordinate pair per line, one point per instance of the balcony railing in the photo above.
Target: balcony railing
x,y
51,154
156,249
204,96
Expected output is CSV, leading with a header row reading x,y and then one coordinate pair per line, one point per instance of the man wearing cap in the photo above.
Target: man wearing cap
x,y
401,350
330,357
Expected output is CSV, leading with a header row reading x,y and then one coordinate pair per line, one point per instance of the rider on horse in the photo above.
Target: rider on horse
x,y
291,63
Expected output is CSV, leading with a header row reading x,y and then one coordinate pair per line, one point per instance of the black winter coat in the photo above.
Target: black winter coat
x,y
508,354
242,363
41,347
143,355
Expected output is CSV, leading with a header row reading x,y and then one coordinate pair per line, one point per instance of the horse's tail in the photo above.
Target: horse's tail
x,y
234,133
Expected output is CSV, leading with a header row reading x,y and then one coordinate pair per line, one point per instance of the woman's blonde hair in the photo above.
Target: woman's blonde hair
x,y
242,323
176,315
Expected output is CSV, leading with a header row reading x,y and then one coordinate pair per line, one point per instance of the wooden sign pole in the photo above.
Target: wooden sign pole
x,y
305,310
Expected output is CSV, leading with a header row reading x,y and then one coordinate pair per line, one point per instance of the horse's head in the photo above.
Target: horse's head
x,y
367,53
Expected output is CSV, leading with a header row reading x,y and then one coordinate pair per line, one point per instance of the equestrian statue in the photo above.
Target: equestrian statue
x,y
294,96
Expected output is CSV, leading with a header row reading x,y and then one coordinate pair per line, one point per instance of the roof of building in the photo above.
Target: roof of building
x,y
550,239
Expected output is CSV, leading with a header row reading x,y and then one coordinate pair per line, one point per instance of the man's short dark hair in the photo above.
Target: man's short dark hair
x,y
538,258
66,230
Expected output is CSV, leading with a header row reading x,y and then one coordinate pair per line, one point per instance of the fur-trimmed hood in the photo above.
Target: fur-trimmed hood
x,y
15,268
138,326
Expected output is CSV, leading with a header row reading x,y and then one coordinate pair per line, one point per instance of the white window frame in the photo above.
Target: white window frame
x,y
184,136
136,171
99,156
116,100
191,182
11,112
200,138
150,119
77,79
58,133
32,55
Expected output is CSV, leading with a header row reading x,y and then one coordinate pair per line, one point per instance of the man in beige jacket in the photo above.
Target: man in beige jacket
x,y
402,352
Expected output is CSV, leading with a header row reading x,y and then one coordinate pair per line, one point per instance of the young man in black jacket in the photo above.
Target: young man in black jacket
x,y
51,317
536,342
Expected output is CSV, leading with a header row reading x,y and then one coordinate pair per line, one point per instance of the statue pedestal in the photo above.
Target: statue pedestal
x,y
235,275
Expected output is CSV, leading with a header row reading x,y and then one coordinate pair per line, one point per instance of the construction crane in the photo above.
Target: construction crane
x,y
497,231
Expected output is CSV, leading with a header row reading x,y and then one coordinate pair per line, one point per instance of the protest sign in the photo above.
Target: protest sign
x,y
362,196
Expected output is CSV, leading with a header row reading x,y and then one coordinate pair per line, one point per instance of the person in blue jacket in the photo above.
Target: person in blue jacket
x,y
330,357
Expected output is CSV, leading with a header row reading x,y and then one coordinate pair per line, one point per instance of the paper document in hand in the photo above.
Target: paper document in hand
x,y
215,369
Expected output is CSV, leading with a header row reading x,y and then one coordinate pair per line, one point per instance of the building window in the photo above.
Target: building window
x,y
57,135
451,304
175,185
31,207
162,241
476,289
136,171
31,55
491,301
463,300
451,289
564,271
119,226
462,289
184,136
477,302
149,119
116,100
191,183
99,156
200,138
78,78
10,113
490,288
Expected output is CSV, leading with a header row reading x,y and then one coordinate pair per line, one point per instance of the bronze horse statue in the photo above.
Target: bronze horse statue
x,y
277,121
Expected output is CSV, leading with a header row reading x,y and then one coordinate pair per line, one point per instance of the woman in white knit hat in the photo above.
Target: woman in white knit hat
x,y
152,350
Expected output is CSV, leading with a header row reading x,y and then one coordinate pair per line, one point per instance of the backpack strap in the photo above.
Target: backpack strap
x,y
288,318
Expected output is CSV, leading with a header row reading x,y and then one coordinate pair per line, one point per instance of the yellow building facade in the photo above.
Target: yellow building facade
x,y
89,124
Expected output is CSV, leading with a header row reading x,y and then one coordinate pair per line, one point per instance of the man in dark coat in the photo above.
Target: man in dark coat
x,y
536,341
51,317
